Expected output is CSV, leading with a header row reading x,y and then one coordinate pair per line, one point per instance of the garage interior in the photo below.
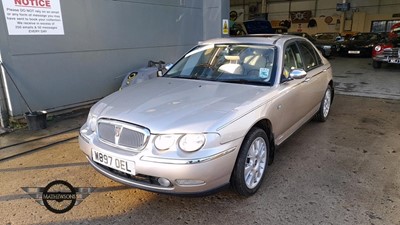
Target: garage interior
x,y
344,171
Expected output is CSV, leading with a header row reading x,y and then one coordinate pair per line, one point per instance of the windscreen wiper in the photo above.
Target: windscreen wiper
x,y
244,81
185,77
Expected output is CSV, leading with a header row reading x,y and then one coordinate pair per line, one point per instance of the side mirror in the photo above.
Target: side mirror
x,y
298,74
161,71
168,66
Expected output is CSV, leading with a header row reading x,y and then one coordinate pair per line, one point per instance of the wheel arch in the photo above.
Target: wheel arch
x,y
332,89
266,126
239,186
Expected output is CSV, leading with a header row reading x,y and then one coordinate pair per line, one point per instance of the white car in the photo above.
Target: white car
x,y
212,119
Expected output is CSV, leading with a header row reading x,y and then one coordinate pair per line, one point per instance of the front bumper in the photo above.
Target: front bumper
x,y
387,59
213,170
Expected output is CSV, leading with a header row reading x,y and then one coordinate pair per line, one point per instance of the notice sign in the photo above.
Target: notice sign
x,y
33,17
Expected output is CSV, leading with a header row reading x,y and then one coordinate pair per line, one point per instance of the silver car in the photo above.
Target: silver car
x,y
214,118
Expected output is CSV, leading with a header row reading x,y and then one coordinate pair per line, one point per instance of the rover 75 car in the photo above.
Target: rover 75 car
x,y
213,119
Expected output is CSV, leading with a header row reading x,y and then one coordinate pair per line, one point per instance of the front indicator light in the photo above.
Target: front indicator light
x,y
186,182
91,122
192,142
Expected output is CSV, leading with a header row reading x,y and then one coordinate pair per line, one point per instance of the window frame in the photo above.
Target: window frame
x,y
317,57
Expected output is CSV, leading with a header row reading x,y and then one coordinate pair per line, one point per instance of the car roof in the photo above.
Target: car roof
x,y
271,39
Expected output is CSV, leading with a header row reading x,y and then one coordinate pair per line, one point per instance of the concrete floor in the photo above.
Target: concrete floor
x,y
343,171
355,76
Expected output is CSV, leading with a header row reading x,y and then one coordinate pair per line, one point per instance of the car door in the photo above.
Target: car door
x,y
288,105
315,82
299,98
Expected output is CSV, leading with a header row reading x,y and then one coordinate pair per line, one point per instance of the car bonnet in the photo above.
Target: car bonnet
x,y
170,105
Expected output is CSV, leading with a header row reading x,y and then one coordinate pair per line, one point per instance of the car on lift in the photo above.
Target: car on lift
x,y
213,119
360,44
327,48
251,27
388,51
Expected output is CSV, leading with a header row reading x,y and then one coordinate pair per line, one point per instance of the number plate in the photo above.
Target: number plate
x,y
113,162
354,52
394,60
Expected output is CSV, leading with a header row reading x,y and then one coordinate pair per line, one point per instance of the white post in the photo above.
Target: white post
x,y
5,103
264,6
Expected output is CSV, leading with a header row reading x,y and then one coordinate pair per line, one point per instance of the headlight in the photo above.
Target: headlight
x,y
91,122
378,48
164,142
192,142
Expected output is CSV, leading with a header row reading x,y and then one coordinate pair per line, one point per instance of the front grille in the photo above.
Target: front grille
x,y
391,52
122,135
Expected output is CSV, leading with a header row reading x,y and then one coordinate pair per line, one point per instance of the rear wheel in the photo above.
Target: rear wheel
x,y
376,64
252,162
325,106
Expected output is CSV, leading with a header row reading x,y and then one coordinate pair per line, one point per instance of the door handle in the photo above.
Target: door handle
x,y
307,79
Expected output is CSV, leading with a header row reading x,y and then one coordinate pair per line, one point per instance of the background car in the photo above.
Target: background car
x,y
388,50
258,26
360,44
213,119
328,36
327,48
153,69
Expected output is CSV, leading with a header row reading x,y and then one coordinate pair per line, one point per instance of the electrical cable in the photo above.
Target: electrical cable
x,y
38,148
40,138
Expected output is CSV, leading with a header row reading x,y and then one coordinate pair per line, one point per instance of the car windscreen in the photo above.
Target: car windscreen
x,y
395,33
234,63
365,37
326,37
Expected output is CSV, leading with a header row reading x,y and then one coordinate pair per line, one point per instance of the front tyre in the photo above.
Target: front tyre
x,y
251,164
325,106
376,64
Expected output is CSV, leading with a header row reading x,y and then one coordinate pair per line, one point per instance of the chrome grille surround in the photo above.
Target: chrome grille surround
x,y
391,52
122,135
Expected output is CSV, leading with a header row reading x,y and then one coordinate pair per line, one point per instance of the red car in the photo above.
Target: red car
x,y
388,52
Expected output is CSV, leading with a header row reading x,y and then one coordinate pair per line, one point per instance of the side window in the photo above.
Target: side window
x,y
292,60
310,56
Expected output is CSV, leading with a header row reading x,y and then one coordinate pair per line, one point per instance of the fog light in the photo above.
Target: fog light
x,y
185,182
164,182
